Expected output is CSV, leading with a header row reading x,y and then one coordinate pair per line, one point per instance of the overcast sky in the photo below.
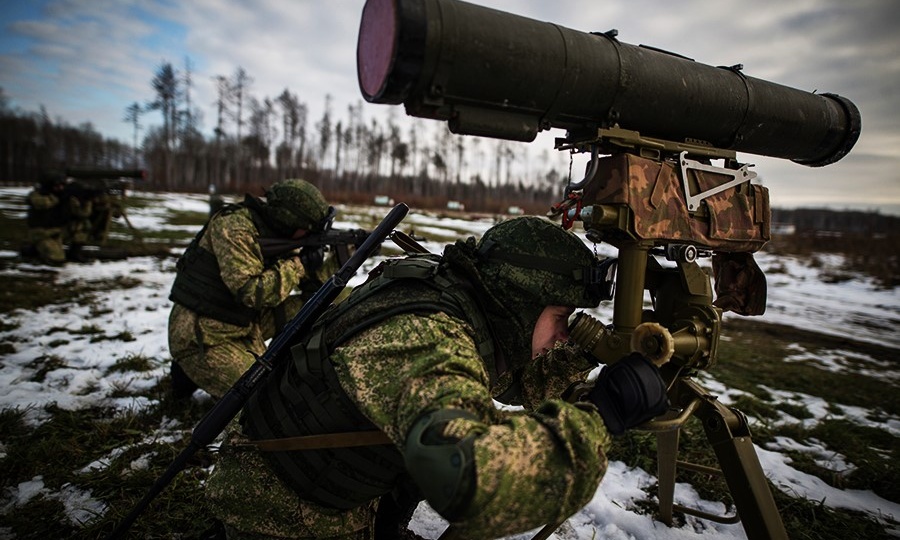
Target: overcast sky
x,y
87,60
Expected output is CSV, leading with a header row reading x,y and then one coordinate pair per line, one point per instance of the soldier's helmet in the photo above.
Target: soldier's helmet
x,y
533,261
297,204
526,264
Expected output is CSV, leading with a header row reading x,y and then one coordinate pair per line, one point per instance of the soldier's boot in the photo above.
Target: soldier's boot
x,y
76,253
182,385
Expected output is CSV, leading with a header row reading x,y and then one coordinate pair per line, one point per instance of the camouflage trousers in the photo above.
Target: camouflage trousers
x,y
255,504
48,244
214,354
78,231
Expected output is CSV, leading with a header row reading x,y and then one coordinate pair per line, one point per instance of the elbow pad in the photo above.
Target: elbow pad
x,y
443,467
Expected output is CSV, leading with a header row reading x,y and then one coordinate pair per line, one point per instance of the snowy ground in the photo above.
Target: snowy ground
x,y
796,297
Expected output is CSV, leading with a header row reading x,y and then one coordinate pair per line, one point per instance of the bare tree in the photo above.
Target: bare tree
x,y
358,128
374,148
324,128
261,131
291,119
223,99
414,150
399,151
348,138
509,156
165,83
240,83
193,171
133,116
460,147
339,141
189,126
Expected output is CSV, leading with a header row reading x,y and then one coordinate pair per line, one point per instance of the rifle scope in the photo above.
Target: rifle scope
x,y
496,74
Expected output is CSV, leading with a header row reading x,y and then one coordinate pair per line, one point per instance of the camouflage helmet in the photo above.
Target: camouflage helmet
x,y
539,261
526,264
297,204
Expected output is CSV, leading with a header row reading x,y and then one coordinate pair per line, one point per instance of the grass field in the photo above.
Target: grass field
x,y
827,406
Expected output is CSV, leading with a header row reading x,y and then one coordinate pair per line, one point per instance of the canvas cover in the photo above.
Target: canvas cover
x,y
735,220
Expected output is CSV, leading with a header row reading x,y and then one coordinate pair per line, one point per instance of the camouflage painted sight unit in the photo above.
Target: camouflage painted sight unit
x,y
663,184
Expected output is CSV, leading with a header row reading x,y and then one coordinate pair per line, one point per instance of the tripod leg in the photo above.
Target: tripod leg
x,y
729,435
667,453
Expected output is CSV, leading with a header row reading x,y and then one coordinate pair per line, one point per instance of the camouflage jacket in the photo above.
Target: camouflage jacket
x,y
44,210
256,284
535,464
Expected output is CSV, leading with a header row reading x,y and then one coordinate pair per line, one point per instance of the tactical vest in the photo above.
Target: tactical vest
x,y
305,396
198,282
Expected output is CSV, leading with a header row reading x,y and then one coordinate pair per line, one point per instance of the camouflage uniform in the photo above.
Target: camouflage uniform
x,y
77,232
528,467
105,209
46,219
214,352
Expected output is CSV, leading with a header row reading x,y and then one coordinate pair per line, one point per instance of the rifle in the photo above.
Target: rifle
x,y
337,240
275,355
670,186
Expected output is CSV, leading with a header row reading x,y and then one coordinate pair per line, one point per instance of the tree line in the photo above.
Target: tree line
x,y
33,142
257,140
822,220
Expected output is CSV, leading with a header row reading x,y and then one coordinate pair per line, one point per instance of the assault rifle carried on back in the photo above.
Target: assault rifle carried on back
x,y
663,184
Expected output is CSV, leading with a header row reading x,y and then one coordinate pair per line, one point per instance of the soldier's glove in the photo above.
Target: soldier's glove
x,y
628,393
312,258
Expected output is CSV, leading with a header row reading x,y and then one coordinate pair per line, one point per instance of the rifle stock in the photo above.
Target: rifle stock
x,y
218,418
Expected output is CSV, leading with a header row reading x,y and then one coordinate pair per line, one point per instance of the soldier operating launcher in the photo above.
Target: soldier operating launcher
x,y
660,120
500,75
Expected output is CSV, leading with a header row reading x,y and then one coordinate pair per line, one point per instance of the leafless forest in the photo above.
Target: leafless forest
x,y
257,140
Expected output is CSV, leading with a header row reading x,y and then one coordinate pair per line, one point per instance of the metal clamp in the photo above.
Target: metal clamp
x,y
738,176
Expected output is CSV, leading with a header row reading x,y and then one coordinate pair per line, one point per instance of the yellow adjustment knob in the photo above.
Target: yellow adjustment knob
x,y
654,341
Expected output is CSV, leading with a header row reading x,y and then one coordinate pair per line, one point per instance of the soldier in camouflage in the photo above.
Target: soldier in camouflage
x,y
416,355
228,298
47,218
78,225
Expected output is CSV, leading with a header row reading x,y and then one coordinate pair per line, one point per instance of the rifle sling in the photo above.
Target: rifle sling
x,y
317,442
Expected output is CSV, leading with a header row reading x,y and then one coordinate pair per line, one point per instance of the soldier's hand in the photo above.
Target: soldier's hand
x,y
628,393
312,258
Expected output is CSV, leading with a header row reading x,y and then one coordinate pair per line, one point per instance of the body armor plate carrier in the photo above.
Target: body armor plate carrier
x,y
305,397
198,282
